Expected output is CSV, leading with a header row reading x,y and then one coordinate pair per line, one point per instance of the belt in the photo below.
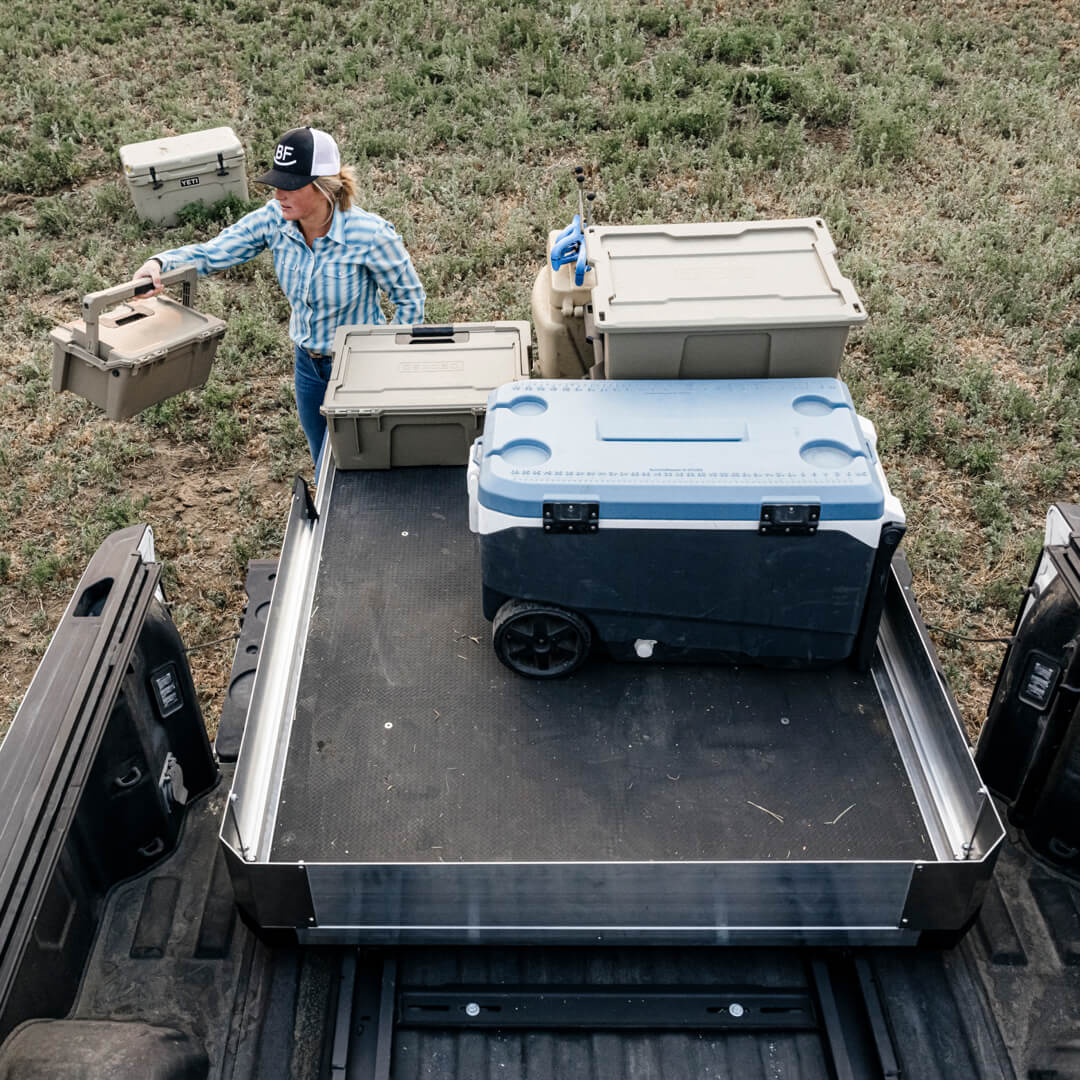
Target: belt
x,y
319,355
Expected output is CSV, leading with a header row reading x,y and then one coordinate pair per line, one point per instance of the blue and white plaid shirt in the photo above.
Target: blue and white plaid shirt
x,y
334,283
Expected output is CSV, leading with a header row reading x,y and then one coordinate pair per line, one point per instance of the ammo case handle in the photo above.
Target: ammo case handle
x,y
422,332
95,303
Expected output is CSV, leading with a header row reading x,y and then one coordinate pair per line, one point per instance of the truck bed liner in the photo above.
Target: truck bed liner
x,y
411,742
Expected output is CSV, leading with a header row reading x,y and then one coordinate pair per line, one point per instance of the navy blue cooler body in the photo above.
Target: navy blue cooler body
x,y
740,520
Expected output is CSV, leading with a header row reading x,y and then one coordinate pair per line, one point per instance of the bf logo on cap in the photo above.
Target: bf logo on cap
x,y
283,155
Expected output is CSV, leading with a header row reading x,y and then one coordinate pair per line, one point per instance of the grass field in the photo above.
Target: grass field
x,y
939,142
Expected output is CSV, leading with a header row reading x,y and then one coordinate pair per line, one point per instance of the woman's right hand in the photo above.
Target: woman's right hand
x,y
150,269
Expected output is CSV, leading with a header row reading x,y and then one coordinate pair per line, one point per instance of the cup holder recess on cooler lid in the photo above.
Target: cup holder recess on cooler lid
x,y
525,453
827,454
527,405
816,405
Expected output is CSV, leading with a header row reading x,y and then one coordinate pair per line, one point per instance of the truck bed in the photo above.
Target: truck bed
x,y
397,784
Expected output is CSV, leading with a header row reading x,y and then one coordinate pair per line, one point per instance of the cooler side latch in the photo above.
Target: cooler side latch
x,y
568,517
786,519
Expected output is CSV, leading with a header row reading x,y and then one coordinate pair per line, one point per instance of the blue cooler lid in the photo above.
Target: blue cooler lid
x,y
705,450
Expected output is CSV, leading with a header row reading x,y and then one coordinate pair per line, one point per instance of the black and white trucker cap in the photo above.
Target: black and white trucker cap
x,y
300,156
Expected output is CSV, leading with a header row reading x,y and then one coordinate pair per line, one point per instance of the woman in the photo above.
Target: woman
x,y
331,259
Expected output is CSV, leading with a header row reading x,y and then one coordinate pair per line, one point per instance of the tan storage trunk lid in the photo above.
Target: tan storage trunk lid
x,y
753,274
416,396
180,156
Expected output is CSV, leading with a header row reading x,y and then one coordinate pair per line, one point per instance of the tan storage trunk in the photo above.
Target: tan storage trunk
x,y
741,299
416,396
558,311
128,356
164,175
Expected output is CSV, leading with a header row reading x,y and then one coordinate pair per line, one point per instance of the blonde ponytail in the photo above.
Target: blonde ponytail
x,y
339,190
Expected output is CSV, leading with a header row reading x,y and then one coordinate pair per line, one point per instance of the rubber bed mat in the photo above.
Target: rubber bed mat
x,y
412,743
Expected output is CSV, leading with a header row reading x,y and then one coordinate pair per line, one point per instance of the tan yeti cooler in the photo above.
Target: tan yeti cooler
x,y
403,395
165,175
127,354
729,300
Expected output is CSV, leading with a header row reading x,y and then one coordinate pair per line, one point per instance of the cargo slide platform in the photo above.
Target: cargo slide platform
x,y
397,784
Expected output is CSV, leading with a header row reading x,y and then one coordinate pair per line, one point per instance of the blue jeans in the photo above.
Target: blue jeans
x,y
312,377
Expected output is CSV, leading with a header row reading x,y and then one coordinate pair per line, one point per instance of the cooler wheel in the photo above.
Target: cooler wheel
x,y
539,640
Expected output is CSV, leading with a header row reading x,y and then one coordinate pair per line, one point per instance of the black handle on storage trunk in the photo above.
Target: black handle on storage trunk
x,y
429,334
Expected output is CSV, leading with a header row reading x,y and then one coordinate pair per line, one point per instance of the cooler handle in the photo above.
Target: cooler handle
x,y
95,303
431,333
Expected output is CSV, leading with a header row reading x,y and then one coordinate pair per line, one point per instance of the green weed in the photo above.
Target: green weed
x,y
901,347
45,570
217,215
226,435
55,217
41,168
885,131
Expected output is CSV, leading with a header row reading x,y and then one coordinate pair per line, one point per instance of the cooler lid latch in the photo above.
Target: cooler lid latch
x,y
153,177
789,519
571,517
221,170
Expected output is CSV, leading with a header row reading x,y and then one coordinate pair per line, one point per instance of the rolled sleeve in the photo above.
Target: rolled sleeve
x,y
237,244
392,269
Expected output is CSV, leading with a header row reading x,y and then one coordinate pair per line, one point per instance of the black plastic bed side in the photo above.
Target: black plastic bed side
x,y
1054,624
259,586
104,753
1029,748
866,639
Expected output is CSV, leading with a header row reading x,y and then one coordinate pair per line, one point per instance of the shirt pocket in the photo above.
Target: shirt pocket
x,y
289,269
339,271
341,285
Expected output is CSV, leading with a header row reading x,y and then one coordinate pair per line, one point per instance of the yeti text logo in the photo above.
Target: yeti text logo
x,y
283,155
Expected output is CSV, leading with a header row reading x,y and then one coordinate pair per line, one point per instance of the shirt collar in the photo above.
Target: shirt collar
x,y
337,227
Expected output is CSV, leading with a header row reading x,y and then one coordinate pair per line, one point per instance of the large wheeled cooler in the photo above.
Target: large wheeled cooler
x,y
739,521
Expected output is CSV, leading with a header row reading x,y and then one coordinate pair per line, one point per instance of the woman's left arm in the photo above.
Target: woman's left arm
x,y
236,244
389,264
